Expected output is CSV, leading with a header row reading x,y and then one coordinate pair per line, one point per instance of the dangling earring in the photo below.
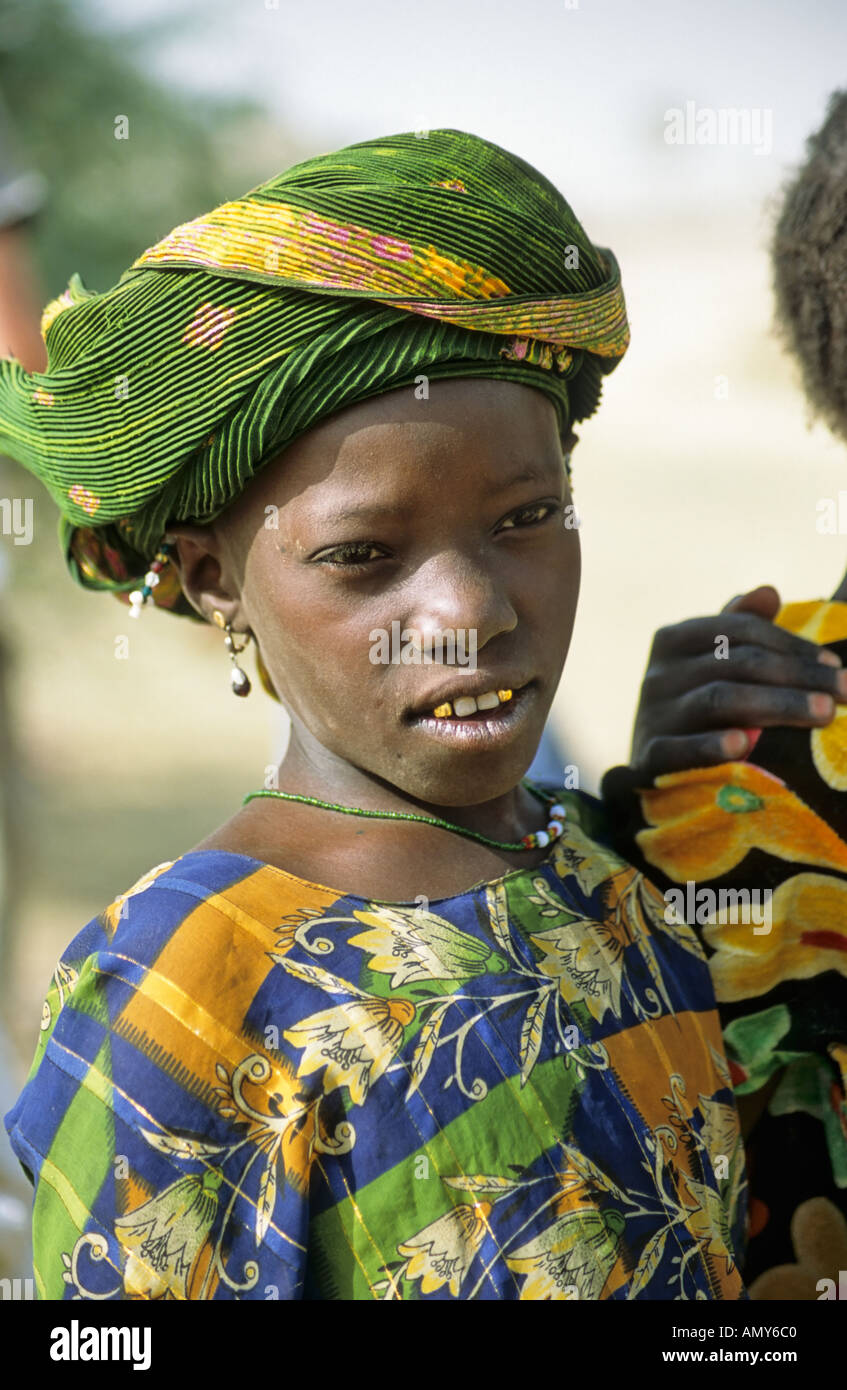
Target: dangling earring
x,y
239,679
139,597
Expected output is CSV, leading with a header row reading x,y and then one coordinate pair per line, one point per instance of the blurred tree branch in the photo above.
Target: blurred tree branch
x,y
65,84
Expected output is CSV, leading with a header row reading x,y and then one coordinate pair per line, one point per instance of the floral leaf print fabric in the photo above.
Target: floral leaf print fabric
x,y
255,1087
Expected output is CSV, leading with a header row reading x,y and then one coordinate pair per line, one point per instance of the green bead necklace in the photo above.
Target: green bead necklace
x,y
538,840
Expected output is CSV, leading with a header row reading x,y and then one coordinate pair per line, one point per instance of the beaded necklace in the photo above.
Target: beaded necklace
x,y
538,840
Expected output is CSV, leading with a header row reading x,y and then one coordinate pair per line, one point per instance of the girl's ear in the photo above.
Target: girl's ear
x,y
197,558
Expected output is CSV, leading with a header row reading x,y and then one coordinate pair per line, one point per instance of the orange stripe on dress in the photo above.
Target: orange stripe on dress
x,y
191,1005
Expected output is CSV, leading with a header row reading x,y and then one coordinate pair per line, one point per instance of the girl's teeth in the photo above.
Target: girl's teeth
x,y
466,704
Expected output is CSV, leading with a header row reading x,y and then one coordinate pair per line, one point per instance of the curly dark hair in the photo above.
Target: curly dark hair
x,y
809,257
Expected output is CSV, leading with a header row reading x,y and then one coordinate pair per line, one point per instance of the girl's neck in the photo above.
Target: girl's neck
x,y
309,769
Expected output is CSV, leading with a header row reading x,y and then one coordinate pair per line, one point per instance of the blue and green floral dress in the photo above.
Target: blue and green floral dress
x,y
250,1086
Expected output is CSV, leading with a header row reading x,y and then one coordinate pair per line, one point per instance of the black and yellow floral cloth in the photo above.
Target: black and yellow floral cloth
x,y
774,824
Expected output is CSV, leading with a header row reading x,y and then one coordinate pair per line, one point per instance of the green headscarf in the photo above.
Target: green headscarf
x,y
433,254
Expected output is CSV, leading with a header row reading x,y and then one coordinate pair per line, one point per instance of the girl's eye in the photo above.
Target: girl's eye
x,y
530,516
351,556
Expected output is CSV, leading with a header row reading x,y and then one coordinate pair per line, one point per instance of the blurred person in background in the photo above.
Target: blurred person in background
x,y
773,818
22,196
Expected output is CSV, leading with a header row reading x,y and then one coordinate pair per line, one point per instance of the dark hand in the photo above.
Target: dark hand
x,y
697,709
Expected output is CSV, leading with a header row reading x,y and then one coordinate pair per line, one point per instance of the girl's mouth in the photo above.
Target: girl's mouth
x,y
464,723
465,706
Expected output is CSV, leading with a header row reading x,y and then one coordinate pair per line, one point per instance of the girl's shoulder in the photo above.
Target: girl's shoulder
x,y
188,920
212,876
175,968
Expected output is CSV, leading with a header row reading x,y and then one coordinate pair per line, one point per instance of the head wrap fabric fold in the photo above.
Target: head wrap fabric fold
x,y
345,276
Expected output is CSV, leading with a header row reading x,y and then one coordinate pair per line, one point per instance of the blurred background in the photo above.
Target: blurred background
x,y
698,478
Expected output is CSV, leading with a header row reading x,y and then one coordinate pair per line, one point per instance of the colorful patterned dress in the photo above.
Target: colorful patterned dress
x,y
250,1086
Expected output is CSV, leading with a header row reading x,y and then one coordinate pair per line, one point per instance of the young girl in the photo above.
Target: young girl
x,y
399,1029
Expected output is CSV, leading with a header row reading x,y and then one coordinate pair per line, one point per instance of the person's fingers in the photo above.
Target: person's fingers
x,y
679,754
751,665
764,600
726,704
721,633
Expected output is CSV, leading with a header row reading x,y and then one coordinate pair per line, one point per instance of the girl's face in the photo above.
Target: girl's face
x,y
407,518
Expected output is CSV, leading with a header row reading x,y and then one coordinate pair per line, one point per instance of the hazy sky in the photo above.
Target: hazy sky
x,y
579,87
